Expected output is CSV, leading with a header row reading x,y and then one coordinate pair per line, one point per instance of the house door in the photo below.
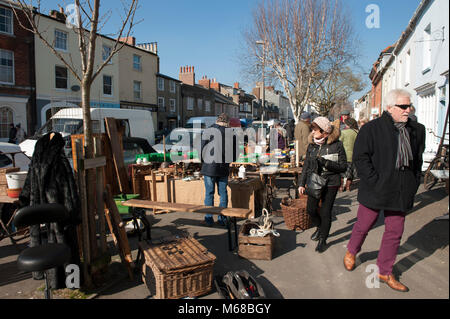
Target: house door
x,y
427,109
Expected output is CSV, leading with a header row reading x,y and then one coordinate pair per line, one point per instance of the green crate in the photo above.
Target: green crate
x,y
124,210
142,156
159,157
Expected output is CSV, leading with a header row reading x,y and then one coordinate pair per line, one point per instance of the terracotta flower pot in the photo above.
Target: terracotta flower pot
x,y
14,192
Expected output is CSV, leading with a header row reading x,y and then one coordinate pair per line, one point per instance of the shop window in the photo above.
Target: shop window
x,y
6,118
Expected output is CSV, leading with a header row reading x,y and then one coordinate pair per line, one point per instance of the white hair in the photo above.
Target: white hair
x,y
392,96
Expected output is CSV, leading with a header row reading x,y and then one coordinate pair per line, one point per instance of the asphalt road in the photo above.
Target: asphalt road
x,y
296,271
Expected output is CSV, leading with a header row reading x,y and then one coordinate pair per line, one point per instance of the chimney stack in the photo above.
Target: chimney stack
x,y
257,92
129,40
236,85
151,47
58,15
205,82
187,75
215,85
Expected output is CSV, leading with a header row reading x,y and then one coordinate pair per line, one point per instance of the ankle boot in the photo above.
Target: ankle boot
x,y
321,245
315,236
347,185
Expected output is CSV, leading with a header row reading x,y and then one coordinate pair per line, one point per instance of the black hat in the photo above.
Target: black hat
x,y
350,122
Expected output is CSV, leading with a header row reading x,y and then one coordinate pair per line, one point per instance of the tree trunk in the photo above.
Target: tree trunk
x,y
87,125
91,173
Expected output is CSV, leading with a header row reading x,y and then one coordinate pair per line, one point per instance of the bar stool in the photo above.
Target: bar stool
x,y
47,256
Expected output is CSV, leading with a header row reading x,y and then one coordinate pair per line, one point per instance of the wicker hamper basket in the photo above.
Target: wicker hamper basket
x,y
295,214
183,268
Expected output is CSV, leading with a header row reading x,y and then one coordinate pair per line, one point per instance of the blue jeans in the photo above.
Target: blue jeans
x,y
210,184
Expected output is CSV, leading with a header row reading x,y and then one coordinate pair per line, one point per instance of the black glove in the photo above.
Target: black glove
x,y
322,162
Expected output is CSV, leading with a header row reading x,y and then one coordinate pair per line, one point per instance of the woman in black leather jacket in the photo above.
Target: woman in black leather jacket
x,y
325,156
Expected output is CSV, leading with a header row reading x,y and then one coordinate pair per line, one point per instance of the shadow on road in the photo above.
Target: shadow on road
x,y
426,198
422,244
10,274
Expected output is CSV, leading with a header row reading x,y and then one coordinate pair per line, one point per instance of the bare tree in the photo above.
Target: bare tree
x,y
335,89
305,41
86,25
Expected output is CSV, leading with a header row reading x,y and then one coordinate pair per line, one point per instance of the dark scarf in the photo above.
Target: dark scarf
x,y
404,152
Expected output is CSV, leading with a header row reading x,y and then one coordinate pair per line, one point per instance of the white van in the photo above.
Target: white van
x,y
201,122
68,121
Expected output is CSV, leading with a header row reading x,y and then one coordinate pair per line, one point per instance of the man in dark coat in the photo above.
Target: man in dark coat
x,y
216,165
12,134
290,128
388,159
50,180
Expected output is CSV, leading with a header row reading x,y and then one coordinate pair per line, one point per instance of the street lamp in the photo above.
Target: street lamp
x,y
263,43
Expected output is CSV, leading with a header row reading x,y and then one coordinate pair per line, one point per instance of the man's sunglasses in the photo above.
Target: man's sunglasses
x,y
403,106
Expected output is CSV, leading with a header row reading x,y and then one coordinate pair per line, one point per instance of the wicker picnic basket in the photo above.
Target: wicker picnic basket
x,y
183,268
295,214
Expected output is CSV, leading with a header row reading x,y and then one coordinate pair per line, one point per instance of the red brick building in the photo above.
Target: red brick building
x,y
17,75
376,76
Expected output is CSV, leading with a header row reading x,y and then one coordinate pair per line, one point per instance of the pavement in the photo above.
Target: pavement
x,y
296,271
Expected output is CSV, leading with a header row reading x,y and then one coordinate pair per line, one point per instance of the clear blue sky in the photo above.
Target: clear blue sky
x,y
207,34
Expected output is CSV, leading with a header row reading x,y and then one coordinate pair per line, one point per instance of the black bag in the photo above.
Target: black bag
x,y
315,184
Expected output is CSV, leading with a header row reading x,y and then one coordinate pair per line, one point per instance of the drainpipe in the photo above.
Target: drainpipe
x,y
31,114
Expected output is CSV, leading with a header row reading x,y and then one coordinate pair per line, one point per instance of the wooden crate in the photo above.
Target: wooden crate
x,y
138,183
178,269
3,189
261,248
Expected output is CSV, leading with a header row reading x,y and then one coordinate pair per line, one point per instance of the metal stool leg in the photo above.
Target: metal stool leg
x,y
235,232
48,294
230,244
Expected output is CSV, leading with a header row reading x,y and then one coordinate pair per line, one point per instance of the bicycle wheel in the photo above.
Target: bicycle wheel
x,y
430,180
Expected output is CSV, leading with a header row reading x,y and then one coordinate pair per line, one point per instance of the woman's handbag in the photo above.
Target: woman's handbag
x,y
315,184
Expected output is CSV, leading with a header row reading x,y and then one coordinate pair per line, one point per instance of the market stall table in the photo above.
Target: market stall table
x,y
242,193
5,228
231,213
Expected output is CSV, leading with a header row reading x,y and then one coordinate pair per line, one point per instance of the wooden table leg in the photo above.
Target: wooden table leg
x,y
154,196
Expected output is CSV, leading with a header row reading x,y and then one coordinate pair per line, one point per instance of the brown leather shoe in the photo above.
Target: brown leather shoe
x,y
394,284
349,261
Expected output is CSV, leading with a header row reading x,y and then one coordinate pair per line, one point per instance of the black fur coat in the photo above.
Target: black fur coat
x,y
50,180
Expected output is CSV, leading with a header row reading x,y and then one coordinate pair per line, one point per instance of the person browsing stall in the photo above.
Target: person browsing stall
x,y
325,156
215,168
348,137
301,133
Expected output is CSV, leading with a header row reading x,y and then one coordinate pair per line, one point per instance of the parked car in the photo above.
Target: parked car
x,y
68,121
159,135
181,140
201,122
20,159
133,146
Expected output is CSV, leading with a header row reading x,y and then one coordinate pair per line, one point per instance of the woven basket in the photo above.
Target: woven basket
x,y
177,269
295,214
188,282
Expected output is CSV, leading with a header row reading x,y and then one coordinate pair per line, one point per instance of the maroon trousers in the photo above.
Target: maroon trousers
x,y
394,226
